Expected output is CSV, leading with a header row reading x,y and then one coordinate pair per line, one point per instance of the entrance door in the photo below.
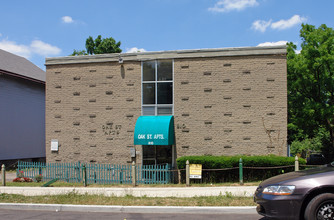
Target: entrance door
x,y
157,154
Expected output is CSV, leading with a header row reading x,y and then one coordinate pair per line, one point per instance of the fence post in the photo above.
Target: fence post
x,y
296,164
168,175
3,174
78,172
240,172
133,172
84,175
187,174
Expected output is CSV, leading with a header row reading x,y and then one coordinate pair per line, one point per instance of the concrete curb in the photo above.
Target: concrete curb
x,y
129,209
244,191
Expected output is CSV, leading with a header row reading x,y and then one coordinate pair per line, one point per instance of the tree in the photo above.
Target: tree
x,y
310,145
99,46
311,85
79,53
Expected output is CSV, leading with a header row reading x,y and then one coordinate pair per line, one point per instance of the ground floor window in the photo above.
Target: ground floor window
x,y
157,154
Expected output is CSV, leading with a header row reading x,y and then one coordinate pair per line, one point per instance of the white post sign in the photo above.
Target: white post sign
x,y
195,171
54,145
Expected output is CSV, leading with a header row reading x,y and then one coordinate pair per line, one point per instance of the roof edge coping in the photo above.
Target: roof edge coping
x,y
173,54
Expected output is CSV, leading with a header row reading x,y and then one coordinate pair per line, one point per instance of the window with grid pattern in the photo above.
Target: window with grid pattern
x,y
157,87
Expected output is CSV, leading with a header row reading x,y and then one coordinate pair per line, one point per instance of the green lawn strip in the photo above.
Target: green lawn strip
x,y
77,199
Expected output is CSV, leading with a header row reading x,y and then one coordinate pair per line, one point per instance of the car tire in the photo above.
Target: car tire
x,y
320,207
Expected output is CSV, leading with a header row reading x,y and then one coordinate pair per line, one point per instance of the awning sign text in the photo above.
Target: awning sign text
x,y
151,137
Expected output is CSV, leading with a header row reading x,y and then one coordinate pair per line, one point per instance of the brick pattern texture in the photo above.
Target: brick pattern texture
x,y
222,106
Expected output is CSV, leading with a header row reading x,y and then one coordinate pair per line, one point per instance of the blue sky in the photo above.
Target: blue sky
x,y
39,28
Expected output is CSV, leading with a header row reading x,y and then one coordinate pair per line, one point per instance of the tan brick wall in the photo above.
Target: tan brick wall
x,y
222,106
92,110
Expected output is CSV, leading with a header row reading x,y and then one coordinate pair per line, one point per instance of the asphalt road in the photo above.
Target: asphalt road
x,y
53,215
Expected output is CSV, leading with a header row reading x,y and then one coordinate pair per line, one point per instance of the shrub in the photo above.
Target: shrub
x,y
20,174
38,178
319,143
22,179
225,168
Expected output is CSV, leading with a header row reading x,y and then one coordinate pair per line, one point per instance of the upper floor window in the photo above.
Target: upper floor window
x,y
157,87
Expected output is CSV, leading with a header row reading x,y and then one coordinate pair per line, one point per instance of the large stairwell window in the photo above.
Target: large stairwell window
x,y
157,87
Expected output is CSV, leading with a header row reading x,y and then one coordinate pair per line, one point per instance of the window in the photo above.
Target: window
x,y
157,87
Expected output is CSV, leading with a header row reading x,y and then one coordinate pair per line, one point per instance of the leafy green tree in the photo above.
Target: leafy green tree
x,y
99,46
311,85
301,148
307,146
79,53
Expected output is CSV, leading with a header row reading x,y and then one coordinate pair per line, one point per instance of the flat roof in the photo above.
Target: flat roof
x,y
173,54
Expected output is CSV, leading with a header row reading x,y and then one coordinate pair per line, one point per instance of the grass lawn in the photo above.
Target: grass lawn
x,y
76,199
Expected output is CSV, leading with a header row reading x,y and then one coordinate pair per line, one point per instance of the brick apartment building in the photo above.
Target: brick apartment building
x,y
153,107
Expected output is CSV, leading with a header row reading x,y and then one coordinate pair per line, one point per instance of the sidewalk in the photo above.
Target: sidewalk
x,y
244,191
130,209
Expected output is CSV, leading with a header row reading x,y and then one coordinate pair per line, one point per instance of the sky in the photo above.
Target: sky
x,y
38,29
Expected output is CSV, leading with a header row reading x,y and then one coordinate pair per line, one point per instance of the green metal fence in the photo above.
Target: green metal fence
x,y
69,172
108,174
153,174
96,173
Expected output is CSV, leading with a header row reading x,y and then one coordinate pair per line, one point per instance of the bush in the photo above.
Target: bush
x,y
20,174
255,167
38,178
220,162
319,143
22,179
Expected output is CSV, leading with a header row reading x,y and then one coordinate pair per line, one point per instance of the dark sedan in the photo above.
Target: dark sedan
x,y
307,194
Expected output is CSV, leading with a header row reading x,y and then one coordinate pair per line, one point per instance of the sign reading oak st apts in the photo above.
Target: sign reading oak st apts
x,y
151,138
154,130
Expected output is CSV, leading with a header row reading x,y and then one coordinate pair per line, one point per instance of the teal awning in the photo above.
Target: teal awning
x,y
154,130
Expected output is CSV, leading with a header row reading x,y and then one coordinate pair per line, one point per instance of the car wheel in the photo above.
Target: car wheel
x,y
321,207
